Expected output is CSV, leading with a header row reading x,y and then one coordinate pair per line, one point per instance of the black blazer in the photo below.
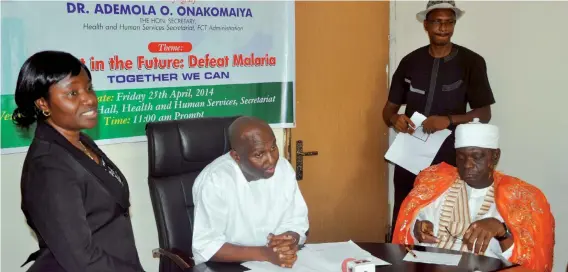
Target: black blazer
x,y
78,211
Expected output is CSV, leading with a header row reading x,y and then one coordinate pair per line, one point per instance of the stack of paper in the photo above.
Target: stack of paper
x,y
326,257
333,254
303,264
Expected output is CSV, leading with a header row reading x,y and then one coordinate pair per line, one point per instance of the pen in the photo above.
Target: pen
x,y
410,251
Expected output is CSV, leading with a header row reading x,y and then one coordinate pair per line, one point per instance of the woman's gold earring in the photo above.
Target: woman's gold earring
x,y
46,113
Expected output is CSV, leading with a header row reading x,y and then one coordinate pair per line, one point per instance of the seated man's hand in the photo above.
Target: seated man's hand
x,y
285,242
424,232
481,232
279,259
285,245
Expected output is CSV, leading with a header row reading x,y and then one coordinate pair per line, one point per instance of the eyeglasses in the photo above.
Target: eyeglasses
x,y
453,236
439,23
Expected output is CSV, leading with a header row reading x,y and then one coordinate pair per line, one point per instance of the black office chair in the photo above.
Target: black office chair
x,y
177,152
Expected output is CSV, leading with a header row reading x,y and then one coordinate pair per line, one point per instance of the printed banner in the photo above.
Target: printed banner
x,y
158,60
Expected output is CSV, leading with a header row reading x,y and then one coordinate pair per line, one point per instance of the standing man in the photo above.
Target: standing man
x,y
438,81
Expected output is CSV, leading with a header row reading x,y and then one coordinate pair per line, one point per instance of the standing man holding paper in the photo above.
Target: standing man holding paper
x,y
437,80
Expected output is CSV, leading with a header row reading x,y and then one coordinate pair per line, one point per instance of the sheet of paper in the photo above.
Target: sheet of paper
x,y
326,257
323,246
415,152
433,258
307,262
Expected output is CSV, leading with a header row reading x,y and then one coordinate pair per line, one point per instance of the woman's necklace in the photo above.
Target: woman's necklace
x,y
84,149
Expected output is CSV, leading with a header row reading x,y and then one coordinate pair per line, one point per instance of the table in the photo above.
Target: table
x,y
393,254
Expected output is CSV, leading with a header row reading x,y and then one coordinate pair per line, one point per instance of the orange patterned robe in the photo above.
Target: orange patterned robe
x,y
524,209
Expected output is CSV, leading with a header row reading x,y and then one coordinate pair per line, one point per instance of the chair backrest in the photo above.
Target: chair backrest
x,y
178,151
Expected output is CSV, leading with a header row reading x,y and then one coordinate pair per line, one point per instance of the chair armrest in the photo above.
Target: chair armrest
x,y
177,256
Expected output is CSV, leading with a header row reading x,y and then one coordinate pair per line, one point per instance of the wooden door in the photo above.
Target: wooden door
x,y
341,80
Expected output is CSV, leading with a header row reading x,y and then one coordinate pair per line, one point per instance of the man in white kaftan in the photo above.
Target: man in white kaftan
x,y
248,206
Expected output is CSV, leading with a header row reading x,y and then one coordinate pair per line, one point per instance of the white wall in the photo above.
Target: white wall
x,y
131,158
524,45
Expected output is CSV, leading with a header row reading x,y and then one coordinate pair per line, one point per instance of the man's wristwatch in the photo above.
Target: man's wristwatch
x,y
505,236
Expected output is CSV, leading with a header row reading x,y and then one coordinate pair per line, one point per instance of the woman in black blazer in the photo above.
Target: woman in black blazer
x,y
74,198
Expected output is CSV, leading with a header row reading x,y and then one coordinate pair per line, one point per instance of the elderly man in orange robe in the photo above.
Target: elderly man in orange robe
x,y
475,208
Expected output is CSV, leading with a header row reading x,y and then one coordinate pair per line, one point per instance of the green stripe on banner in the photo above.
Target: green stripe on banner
x,y
124,113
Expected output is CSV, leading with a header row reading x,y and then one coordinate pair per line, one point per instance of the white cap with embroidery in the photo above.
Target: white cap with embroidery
x,y
476,134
